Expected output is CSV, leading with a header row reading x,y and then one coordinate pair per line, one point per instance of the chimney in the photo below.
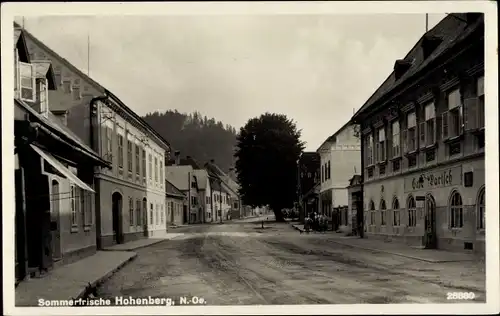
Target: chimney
x,y
177,155
212,160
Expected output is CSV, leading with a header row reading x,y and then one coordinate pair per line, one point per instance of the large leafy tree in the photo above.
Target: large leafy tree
x,y
267,151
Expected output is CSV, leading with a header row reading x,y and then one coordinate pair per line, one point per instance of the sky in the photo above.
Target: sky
x,y
316,69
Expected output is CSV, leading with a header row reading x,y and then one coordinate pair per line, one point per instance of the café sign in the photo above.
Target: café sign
x,y
434,179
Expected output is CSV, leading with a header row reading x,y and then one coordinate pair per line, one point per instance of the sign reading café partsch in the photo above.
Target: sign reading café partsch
x,y
434,179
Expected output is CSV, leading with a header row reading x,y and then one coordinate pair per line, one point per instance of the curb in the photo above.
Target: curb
x,y
92,285
138,247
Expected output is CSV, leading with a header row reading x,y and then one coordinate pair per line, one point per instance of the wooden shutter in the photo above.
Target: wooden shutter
x,y
422,133
445,126
470,114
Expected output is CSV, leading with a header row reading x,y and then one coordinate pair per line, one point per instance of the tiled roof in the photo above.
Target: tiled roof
x,y
178,176
452,29
202,177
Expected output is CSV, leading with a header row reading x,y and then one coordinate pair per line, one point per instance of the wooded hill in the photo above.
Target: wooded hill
x,y
197,136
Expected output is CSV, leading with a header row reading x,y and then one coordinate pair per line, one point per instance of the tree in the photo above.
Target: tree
x,y
267,150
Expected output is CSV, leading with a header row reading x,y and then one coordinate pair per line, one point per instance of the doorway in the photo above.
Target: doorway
x,y
145,217
117,202
430,222
55,221
184,212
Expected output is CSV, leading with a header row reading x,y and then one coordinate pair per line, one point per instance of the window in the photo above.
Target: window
x,y
138,217
129,156
76,93
156,169
322,173
109,143
162,215
42,94
67,86
369,150
396,221
410,134
206,200
137,160
74,206
382,213
86,207
481,207
456,211
151,218
396,152
452,119
157,214
381,145
120,151
150,158
480,102
143,164
161,173
329,175
372,213
428,128
27,77
16,71
412,212
131,213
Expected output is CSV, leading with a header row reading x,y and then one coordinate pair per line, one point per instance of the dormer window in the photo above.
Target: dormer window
x,y
400,67
42,95
429,44
27,81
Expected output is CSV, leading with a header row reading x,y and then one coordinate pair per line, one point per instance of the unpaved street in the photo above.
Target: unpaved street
x,y
240,263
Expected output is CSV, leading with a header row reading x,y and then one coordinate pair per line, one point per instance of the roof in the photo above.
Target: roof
x,y
20,44
355,180
43,69
202,177
172,190
453,29
215,171
333,138
188,161
95,84
178,176
56,126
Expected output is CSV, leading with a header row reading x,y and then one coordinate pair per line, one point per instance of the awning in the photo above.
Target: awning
x,y
61,168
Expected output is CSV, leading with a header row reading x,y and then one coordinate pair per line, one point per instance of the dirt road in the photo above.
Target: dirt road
x,y
240,263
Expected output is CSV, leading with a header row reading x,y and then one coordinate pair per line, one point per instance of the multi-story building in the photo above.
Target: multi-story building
x,y
423,141
205,213
184,178
309,175
130,198
340,158
230,200
54,174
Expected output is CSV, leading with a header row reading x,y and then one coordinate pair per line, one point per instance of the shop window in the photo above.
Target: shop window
x,y
481,208
382,213
456,211
396,220
412,212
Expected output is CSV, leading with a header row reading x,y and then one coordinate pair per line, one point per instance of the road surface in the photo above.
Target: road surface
x,y
240,263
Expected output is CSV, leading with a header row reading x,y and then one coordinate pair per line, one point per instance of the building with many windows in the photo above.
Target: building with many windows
x,y
130,197
339,159
423,142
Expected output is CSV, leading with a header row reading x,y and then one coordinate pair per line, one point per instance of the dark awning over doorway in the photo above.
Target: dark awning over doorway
x,y
61,168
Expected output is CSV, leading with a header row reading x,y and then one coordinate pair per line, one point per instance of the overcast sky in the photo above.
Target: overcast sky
x,y
316,69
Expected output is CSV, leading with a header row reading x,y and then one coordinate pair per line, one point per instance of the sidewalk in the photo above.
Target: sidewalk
x,y
400,249
141,243
71,281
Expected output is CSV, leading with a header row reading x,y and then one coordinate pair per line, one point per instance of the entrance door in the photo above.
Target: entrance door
x,y
359,216
145,217
55,221
184,211
430,223
116,211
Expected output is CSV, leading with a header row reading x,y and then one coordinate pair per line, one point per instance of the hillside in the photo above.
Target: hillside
x,y
199,137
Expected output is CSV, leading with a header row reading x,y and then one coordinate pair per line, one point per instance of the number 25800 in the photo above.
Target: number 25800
x,y
460,295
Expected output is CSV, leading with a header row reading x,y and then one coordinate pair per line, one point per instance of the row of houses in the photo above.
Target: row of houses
x,y
90,172
410,166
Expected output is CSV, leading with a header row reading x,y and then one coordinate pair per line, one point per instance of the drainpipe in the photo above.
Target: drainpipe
x,y
97,204
189,198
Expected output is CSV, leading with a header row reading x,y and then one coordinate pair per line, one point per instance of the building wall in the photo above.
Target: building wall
x,y
78,240
138,183
208,202
174,210
466,156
